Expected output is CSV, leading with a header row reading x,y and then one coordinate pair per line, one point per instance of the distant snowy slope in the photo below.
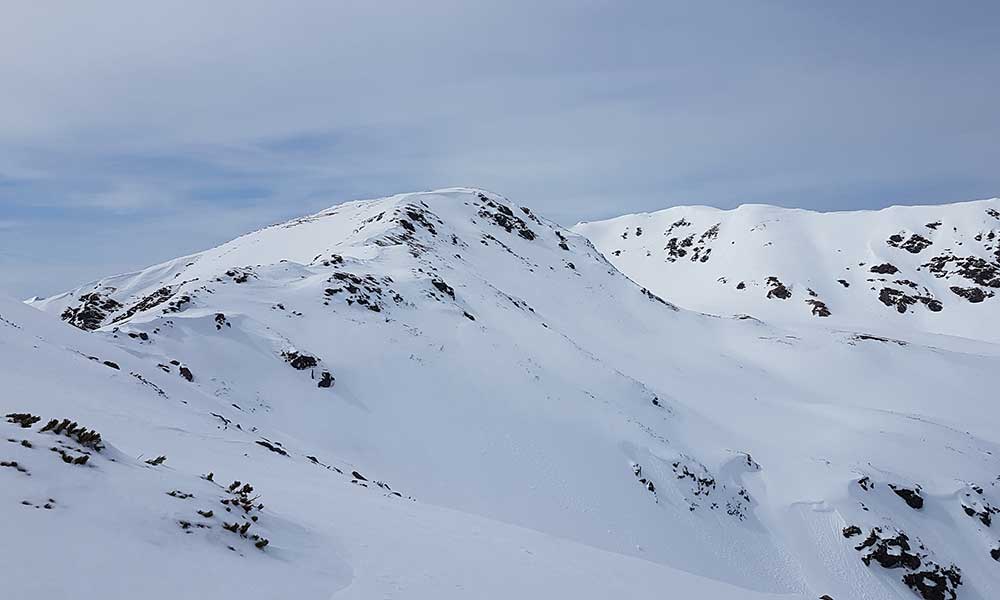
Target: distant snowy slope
x,y
419,382
914,268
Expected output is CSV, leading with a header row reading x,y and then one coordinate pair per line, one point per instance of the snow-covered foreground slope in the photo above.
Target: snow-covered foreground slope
x,y
129,528
442,394
907,268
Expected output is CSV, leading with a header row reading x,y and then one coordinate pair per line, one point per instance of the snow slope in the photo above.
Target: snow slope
x,y
445,394
929,269
117,523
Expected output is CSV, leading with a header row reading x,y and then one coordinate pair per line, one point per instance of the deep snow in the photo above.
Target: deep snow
x,y
525,419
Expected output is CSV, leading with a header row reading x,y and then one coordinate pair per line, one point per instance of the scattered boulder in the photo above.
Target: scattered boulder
x,y
972,294
326,380
443,287
778,289
504,217
912,497
977,270
935,583
92,311
915,244
220,321
884,269
889,552
851,531
153,300
299,360
239,275
272,446
902,301
819,308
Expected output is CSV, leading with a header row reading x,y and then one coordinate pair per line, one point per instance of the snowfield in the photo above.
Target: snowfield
x,y
932,269
445,395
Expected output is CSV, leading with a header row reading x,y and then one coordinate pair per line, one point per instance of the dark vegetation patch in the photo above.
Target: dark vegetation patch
x,y
25,420
88,438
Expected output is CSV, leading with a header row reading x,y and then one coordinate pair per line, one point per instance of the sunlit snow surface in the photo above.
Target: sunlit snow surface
x,y
511,417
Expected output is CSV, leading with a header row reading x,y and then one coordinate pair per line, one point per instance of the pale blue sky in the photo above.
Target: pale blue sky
x,y
132,132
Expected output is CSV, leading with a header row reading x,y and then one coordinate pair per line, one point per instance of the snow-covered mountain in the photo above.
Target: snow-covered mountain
x,y
445,395
929,269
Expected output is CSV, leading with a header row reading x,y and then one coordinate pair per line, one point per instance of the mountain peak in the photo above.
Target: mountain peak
x,y
931,269
450,362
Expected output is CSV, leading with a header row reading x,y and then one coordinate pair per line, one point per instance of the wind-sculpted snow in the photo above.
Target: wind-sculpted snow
x,y
923,268
444,394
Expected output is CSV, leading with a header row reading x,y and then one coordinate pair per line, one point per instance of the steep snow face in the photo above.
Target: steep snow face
x,y
921,268
480,370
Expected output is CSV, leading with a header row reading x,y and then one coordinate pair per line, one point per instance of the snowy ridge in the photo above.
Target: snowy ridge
x,y
931,269
418,384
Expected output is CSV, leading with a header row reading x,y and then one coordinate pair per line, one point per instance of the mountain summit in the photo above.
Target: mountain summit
x,y
444,394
